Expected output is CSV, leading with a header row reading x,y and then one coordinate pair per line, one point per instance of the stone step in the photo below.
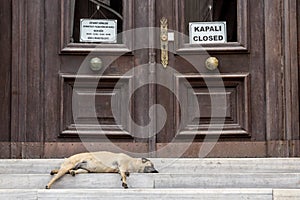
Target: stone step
x,y
110,181
285,194
139,194
169,165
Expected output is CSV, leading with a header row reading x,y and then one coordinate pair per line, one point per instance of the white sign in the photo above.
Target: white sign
x,y
207,32
98,30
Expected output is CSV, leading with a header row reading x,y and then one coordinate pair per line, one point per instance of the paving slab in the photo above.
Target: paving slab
x,y
169,165
232,180
81,181
139,194
109,181
286,194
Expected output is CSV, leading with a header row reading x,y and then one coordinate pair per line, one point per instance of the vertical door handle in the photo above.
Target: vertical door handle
x,y
164,42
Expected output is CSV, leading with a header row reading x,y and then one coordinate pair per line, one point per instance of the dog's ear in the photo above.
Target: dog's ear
x,y
144,160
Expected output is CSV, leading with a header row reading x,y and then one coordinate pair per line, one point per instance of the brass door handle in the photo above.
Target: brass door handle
x,y
164,42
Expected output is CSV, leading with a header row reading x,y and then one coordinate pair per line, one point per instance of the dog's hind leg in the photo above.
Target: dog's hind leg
x,y
81,167
55,171
62,171
78,171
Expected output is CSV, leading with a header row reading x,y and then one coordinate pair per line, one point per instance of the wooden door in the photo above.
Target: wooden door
x,y
244,108
222,108
95,109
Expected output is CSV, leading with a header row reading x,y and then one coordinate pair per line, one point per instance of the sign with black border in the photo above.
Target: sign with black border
x,y
207,32
98,30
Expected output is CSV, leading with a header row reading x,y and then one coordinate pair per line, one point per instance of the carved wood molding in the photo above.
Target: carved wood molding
x,y
68,47
86,106
243,28
237,94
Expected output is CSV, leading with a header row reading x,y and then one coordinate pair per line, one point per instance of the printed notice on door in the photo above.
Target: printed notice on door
x,y
207,32
98,30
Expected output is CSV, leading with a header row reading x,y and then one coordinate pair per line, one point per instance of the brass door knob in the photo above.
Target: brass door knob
x,y
95,64
212,63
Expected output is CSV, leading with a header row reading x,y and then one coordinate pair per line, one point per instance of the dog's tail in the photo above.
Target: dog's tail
x,y
61,172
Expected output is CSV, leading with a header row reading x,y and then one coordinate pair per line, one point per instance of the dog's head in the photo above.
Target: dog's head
x,y
146,166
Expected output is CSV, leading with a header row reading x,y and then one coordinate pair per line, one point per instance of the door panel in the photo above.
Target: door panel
x,y
88,111
94,118
241,65
236,93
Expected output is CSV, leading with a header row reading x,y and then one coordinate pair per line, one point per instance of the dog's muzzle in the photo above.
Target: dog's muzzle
x,y
150,170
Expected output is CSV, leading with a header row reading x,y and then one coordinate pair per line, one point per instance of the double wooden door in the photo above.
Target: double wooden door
x,y
151,91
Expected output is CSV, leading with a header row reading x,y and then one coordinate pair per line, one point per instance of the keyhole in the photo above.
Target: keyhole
x,y
164,38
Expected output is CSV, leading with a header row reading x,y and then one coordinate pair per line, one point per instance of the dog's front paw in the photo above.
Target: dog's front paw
x,y
47,187
125,186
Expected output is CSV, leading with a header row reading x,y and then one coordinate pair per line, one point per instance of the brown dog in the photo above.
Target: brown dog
x,y
103,162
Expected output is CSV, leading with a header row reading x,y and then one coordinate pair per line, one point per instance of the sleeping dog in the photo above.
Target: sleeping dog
x,y
103,162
